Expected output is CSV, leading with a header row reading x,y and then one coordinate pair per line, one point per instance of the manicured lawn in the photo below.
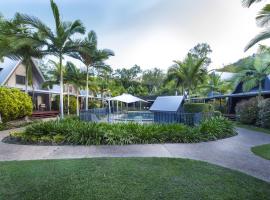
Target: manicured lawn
x,y
253,128
262,151
126,178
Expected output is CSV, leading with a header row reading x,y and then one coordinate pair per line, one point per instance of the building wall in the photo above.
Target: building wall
x,y
21,70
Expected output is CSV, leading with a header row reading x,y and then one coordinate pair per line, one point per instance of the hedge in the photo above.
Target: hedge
x,y
264,113
14,104
247,111
72,104
70,131
198,107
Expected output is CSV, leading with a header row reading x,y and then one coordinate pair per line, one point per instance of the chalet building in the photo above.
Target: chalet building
x,y
13,75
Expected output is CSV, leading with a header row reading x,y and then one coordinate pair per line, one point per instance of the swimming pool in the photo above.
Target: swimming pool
x,y
134,116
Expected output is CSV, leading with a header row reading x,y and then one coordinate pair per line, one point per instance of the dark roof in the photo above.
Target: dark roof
x,y
167,103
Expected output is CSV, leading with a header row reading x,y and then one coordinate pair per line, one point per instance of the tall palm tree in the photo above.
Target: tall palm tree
x,y
188,74
59,42
17,43
77,79
90,55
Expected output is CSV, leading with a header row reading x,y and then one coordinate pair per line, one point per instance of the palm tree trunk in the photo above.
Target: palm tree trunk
x,y
87,89
77,104
68,99
260,90
61,89
26,78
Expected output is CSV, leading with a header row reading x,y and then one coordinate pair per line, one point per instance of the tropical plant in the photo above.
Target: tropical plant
x,y
14,104
85,133
253,74
91,56
188,73
77,79
58,43
18,43
263,19
215,85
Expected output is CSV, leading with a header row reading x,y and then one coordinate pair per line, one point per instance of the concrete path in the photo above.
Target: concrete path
x,y
232,153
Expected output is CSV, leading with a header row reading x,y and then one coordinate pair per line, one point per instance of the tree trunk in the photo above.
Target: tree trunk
x,y
68,99
87,89
77,104
61,90
26,78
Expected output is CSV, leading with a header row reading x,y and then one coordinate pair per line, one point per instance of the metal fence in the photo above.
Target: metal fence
x,y
184,118
102,115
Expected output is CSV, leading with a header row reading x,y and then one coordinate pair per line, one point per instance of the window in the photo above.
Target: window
x,y
20,80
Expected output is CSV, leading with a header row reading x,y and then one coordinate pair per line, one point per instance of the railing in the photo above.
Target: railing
x,y
94,115
184,118
102,115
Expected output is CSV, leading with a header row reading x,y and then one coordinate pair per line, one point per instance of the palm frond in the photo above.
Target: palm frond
x,y
263,16
262,36
248,3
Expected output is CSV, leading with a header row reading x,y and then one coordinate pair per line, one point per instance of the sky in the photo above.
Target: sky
x,y
153,33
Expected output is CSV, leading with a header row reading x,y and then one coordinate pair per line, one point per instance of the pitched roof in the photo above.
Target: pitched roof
x,y
8,66
6,69
167,103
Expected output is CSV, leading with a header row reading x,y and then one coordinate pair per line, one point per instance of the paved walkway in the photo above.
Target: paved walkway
x,y
233,152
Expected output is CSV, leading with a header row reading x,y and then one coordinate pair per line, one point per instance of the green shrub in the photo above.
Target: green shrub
x,y
72,104
73,131
247,111
14,104
217,128
198,107
264,113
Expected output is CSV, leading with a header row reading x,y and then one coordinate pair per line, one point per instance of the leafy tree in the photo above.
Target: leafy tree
x,y
91,56
202,51
18,43
58,43
188,73
153,80
252,75
77,79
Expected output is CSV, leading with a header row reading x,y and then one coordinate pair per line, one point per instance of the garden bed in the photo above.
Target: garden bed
x,y
73,131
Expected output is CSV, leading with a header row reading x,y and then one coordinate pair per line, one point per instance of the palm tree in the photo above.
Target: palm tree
x,y
77,79
90,55
187,74
263,19
58,43
17,43
215,84
252,75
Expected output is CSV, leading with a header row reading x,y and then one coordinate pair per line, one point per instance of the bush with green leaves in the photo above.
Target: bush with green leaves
x,y
72,104
198,107
247,111
14,104
264,113
73,131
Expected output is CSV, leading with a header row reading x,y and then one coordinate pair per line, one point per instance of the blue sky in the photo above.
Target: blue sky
x,y
153,33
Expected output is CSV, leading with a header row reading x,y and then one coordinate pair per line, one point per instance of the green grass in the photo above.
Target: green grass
x,y
253,128
262,151
125,178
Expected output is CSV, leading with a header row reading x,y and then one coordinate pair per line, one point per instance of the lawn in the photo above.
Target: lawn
x,y
262,151
253,128
126,178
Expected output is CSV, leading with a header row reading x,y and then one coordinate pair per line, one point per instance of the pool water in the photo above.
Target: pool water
x,y
135,116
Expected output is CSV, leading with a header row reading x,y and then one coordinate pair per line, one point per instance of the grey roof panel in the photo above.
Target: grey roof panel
x,y
167,103
7,67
